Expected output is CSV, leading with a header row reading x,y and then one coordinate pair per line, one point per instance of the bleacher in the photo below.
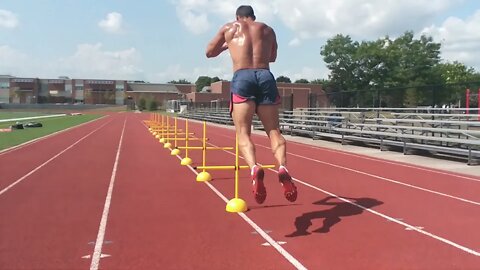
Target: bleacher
x,y
455,133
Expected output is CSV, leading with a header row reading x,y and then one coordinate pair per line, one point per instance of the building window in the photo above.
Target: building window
x,y
4,84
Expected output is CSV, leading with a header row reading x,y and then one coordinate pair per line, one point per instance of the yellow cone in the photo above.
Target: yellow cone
x,y
204,177
162,140
175,152
186,161
167,145
236,205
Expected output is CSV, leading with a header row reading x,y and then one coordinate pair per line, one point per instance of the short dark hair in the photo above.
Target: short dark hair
x,y
245,11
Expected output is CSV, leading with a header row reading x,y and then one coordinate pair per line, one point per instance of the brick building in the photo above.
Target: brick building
x,y
120,92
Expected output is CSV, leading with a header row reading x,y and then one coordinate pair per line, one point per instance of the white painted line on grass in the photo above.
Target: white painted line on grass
x,y
16,147
31,118
48,161
97,252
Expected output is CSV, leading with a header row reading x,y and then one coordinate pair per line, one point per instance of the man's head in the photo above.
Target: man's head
x,y
245,12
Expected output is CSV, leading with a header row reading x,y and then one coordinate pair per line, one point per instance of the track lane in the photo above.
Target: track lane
x,y
16,164
420,209
161,218
50,220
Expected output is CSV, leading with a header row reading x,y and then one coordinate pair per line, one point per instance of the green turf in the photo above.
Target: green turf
x,y
50,125
13,115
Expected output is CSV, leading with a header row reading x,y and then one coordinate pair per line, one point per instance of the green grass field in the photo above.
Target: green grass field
x,y
50,125
12,115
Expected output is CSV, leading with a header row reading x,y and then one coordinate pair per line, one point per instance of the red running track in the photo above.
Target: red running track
x,y
107,195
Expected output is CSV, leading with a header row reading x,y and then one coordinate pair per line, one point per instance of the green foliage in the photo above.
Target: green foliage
x,y
203,81
181,81
283,79
302,81
142,104
152,105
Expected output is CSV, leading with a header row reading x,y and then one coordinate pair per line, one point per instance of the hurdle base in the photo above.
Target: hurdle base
x,y
204,177
175,152
186,161
167,145
236,205
162,140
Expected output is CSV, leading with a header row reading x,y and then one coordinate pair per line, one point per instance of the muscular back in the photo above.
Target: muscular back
x,y
251,44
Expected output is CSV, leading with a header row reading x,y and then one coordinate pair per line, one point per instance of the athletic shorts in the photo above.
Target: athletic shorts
x,y
257,85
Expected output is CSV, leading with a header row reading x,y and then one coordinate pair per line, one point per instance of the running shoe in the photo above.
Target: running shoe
x,y
259,191
290,190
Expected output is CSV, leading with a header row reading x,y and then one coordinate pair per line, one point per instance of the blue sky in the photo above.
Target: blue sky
x,y
159,41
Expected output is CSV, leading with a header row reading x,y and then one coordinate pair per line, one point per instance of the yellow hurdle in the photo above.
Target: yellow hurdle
x,y
236,204
204,176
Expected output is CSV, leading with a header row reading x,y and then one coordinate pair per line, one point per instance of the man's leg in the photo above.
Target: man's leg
x,y
242,115
268,114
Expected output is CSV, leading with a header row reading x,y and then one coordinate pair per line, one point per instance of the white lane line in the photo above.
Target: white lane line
x,y
389,180
257,228
392,219
376,176
51,159
20,146
260,231
97,252
388,162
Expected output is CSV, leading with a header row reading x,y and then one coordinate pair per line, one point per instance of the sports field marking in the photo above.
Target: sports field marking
x,y
48,161
388,218
257,228
97,252
391,219
377,176
16,147
399,163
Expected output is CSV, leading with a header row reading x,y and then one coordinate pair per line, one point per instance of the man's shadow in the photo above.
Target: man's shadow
x,y
333,215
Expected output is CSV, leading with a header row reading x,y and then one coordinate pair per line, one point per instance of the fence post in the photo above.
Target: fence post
x,y
467,101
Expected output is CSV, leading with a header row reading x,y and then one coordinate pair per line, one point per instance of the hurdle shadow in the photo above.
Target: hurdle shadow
x,y
331,216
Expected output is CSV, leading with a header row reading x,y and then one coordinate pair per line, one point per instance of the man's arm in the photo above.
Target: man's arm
x,y
273,54
218,44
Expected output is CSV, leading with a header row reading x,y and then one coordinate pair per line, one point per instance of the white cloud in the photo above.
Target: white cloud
x,y
92,61
220,67
113,23
12,61
460,39
294,42
196,14
8,19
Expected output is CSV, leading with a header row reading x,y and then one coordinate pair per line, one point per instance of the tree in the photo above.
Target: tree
x,y
181,81
202,81
302,81
142,104
383,63
283,79
215,79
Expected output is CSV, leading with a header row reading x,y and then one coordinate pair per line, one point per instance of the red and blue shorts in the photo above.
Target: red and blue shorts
x,y
257,85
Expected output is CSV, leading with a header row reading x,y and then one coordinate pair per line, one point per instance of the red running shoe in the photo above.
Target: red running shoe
x,y
259,191
290,190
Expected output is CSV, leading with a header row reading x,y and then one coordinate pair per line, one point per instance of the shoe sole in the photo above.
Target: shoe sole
x,y
259,191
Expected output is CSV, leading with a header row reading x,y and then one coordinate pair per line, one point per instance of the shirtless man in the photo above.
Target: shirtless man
x,y
253,46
